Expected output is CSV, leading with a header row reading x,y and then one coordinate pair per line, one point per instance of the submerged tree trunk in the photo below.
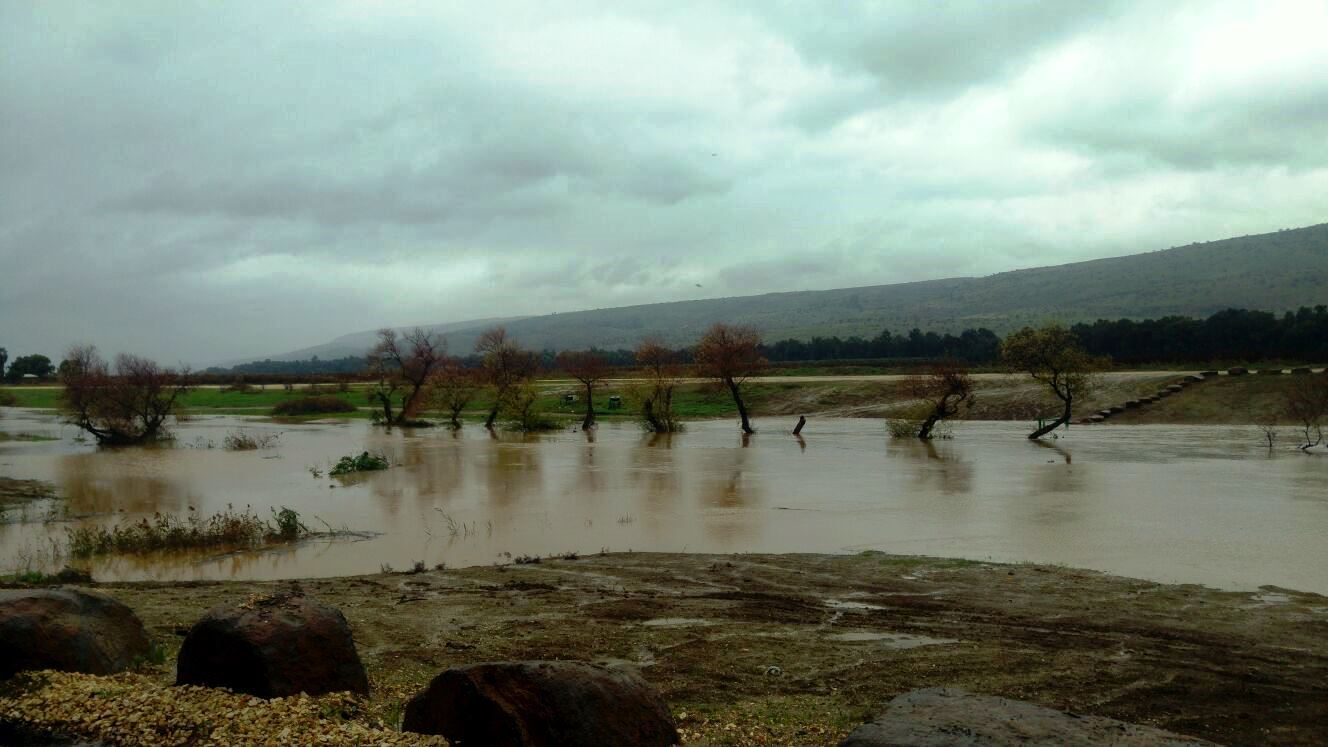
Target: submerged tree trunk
x,y
742,409
590,408
1062,420
924,432
493,415
386,401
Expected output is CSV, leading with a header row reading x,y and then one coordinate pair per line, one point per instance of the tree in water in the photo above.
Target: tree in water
x,y
1052,355
404,364
1306,404
127,406
590,369
452,388
506,368
944,391
659,368
729,354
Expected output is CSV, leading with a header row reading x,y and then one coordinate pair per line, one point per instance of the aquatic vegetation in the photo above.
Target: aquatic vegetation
x,y
228,528
246,441
365,462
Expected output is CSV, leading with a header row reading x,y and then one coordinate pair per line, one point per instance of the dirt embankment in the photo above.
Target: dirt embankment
x,y
998,396
1222,400
799,649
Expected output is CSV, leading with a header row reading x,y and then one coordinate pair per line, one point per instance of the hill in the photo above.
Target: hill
x,y
1274,272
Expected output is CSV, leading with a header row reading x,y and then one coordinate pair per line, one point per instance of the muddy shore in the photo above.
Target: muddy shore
x,y
799,649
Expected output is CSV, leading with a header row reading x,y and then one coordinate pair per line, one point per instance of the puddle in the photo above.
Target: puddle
x,y
891,640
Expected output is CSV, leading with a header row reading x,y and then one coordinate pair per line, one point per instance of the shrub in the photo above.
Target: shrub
x,y
245,441
903,427
365,462
7,399
310,405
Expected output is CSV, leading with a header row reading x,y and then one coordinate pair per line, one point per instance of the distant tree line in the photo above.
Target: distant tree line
x,y
1236,335
351,364
1231,335
972,346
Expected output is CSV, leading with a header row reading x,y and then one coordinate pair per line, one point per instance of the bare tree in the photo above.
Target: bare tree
x,y
1306,404
729,354
661,372
506,367
129,405
452,388
589,368
945,390
404,364
1053,356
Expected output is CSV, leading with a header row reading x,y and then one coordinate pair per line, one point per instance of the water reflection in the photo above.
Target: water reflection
x,y
89,490
932,467
1193,504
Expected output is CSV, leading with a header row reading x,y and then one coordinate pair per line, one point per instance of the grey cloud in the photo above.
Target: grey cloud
x,y
933,48
206,182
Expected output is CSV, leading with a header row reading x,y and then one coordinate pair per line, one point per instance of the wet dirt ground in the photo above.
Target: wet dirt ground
x,y
799,649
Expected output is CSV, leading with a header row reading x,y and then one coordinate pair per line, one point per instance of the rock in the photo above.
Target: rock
x,y
1208,374
1300,371
1194,378
1096,418
943,716
273,647
1131,404
1104,413
532,703
1237,371
1116,409
1163,393
68,630
1175,388
1270,372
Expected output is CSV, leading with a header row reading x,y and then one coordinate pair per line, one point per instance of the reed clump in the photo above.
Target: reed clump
x,y
229,528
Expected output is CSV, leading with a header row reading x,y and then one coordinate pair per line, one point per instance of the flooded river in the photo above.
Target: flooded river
x,y
1196,504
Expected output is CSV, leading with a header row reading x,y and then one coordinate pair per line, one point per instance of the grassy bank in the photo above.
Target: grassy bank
x,y
799,649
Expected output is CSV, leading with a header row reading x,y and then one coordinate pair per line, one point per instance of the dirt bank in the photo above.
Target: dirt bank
x,y
798,649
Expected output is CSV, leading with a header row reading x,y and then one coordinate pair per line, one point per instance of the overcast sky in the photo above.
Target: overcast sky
x,y
200,183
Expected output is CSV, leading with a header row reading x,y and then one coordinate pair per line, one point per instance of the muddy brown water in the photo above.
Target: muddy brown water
x,y
1194,504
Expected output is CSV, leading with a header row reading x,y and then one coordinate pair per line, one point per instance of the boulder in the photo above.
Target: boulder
x,y
68,630
1175,388
1163,393
273,647
1194,378
1270,372
1116,409
1237,371
1300,371
1208,374
943,716
530,703
1131,404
